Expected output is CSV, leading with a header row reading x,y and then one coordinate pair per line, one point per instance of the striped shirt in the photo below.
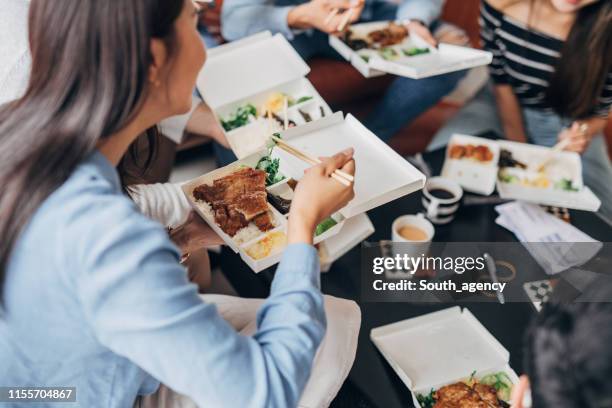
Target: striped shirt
x,y
525,59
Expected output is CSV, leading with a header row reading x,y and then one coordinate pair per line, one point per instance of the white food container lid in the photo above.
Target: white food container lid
x,y
434,349
381,175
246,67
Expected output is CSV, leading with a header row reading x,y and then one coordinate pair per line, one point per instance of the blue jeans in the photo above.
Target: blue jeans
x,y
480,115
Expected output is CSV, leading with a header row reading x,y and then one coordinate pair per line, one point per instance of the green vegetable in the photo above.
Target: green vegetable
x,y
565,184
270,165
427,401
507,178
501,382
299,100
388,53
411,52
325,225
365,58
239,118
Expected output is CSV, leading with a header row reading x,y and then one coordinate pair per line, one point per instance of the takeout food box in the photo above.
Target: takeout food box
x,y
441,348
390,178
352,233
472,162
559,184
398,59
253,75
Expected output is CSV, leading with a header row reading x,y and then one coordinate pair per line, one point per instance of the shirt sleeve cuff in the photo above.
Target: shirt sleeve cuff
x,y
416,11
279,21
299,266
174,127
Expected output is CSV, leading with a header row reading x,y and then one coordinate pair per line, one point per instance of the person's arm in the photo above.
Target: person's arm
x,y
510,113
425,11
508,106
199,120
139,304
241,18
580,134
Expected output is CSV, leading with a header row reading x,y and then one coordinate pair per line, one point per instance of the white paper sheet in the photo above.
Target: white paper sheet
x,y
533,226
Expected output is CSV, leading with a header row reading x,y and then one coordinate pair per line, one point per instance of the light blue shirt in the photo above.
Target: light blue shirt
x,y
95,298
241,18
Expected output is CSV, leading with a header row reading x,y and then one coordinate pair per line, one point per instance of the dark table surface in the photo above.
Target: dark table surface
x,y
370,372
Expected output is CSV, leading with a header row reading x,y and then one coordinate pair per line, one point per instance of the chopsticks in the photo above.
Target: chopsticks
x,y
345,20
331,15
551,155
338,175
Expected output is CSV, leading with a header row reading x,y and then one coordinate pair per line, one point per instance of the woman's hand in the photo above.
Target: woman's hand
x,y
420,29
194,234
319,14
576,138
203,122
317,196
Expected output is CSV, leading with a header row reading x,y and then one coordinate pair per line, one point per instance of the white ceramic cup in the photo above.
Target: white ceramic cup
x,y
441,210
417,248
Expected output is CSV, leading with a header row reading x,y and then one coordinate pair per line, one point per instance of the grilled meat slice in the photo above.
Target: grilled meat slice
x,y
251,204
264,221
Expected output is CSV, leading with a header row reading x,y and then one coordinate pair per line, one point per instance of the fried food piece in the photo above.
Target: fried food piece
x,y
264,221
454,392
390,35
251,204
456,152
236,199
487,393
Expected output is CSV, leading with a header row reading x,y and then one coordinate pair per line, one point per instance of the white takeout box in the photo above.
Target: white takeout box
x,y
381,176
566,164
441,348
472,175
353,232
482,178
249,71
444,59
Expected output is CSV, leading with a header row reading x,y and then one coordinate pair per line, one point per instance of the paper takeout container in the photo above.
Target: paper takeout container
x,y
441,348
482,178
352,233
474,176
444,59
249,71
392,177
565,165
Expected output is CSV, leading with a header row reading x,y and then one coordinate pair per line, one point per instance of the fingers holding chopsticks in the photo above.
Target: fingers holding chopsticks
x,y
341,163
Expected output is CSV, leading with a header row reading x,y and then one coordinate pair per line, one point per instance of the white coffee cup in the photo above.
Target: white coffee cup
x,y
417,248
441,210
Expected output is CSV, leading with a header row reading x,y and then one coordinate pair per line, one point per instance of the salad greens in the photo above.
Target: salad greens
x,y
239,118
427,401
270,165
501,382
388,53
411,52
565,184
302,99
325,225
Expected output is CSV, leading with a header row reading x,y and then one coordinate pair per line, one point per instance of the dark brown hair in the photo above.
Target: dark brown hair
x,y
90,62
585,62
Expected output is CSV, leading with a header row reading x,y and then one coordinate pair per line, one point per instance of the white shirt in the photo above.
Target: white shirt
x,y
15,63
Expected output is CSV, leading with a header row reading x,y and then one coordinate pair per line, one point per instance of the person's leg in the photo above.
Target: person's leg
x,y
406,99
597,173
332,363
477,116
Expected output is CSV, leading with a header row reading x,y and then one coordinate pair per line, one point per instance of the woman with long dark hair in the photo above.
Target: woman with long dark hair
x,y
93,295
551,80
